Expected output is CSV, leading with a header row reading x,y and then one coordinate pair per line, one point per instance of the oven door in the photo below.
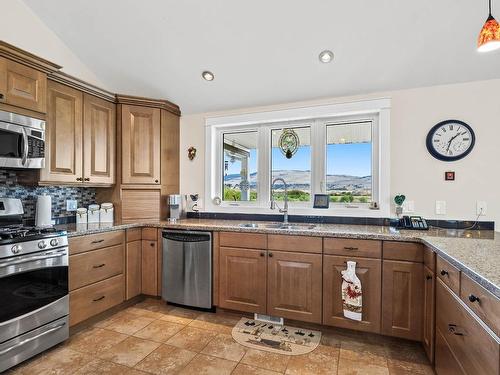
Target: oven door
x,y
33,291
12,145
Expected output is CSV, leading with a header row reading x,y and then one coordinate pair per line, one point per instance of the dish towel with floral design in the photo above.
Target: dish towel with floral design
x,y
351,293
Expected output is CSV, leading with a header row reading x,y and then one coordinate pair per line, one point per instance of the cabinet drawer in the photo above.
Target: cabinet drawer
x,y
353,248
134,234
150,234
475,347
487,306
449,274
97,265
446,363
408,251
244,240
300,244
94,299
95,241
429,258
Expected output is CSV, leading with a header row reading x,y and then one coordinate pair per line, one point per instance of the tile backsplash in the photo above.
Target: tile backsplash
x,y
10,188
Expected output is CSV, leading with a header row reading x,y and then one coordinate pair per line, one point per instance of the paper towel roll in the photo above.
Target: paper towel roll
x,y
43,216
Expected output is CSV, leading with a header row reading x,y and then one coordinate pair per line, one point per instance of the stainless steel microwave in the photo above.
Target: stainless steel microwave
x,y
22,141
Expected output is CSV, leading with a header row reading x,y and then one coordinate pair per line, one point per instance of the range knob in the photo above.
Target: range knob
x,y
16,249
42,245
54,242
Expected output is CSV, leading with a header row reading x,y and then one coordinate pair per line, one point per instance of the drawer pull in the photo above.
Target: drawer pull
x,y
473,298
1,96
99,299
444,272
100,265
428,277
97,241
350,248
263,254
152,244
270,255
452,328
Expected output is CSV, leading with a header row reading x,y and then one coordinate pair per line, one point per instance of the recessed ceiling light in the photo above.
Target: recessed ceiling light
x,y
326,56
208,76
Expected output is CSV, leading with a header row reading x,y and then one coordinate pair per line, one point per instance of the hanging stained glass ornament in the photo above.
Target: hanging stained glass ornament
x,y
288,143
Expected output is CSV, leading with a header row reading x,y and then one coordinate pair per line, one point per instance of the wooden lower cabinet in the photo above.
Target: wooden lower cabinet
x,y
429,318
446,362
133,282
242,279
294,285
369,273
149,268
402,293
95,298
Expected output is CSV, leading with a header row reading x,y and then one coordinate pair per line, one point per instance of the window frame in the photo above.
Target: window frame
x,y
318,118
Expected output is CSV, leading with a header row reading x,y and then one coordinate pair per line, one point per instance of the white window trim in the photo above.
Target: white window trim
x,y
377,109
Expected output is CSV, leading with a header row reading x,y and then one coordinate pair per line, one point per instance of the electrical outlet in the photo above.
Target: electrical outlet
x,y
440,207
481,208
71,205
409,206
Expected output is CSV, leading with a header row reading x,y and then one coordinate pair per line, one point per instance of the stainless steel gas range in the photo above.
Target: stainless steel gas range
x,y
34,302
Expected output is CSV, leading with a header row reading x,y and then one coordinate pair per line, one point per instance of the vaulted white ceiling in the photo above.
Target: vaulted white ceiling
x,y
266,52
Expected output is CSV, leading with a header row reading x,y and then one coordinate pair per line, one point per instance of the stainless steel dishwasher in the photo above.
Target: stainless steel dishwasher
x,y
187,268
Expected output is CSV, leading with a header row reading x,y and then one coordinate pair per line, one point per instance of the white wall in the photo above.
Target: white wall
x,y
413,171
20,27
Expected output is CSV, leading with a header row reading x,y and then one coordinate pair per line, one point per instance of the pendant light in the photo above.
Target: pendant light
x,y
489,37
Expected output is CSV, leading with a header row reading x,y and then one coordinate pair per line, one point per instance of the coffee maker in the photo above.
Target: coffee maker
x,y
176,204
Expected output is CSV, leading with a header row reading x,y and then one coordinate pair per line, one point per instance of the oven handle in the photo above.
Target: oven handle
x,y
21,343
29,259
26,149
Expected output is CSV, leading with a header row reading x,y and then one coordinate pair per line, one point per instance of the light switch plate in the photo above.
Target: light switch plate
x,y
440,207
409,206
71,205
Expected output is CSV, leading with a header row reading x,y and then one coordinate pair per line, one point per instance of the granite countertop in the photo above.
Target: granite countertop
x,y
476,253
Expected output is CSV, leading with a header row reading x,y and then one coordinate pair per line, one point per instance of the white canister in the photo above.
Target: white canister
x,y
93,214
81,215
107,213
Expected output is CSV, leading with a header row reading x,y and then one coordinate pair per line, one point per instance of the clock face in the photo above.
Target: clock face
x,y
450,140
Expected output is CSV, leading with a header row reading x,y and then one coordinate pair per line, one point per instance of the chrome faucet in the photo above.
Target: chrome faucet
x,y
284,211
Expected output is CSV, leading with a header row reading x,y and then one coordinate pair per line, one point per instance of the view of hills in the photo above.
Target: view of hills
x,y
299,180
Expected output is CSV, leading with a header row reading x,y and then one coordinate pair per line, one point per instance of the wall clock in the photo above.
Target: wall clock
x,y
450,140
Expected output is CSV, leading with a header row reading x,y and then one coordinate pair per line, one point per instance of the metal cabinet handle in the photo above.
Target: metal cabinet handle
x,y
21,343
99,299
428,277
97,241
473,298
263,254
1,96
152,244
86,179
100,265
79,179
444,272
452,328
350,248
156,181
270,255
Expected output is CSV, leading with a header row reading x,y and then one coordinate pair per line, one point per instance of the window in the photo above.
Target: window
x,y
349,162
240,166
341,150
294,168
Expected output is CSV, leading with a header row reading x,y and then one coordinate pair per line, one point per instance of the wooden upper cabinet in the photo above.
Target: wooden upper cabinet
x,y
140,127
242,279
369,273
22,86
63,149
294,286
99,126
402,295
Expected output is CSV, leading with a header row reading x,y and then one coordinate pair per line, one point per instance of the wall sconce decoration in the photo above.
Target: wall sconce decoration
x,y
399,200
191,152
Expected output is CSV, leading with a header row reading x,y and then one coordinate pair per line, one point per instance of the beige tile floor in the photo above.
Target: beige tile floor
x,y
152,338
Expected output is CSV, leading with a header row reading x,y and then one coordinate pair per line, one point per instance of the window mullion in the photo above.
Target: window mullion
x,y
318,147
264,163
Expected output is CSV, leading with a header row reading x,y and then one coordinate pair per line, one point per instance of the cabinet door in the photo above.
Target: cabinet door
x,y
63,149
429,313
149,268
369,273
22,86
133,283
140,145
99,126
402,285
242,279
294,285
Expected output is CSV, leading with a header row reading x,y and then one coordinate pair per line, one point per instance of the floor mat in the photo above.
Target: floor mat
x,y
275,338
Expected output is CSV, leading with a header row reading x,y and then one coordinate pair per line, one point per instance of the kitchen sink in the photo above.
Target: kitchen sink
x,y
291,226
248,225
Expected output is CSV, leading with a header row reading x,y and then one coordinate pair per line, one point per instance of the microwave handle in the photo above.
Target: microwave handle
x,y
25,147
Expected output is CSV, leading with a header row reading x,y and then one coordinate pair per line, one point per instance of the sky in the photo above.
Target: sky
x,y
342,159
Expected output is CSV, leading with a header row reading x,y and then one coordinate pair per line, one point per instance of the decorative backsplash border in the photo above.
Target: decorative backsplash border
x,y
10,188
